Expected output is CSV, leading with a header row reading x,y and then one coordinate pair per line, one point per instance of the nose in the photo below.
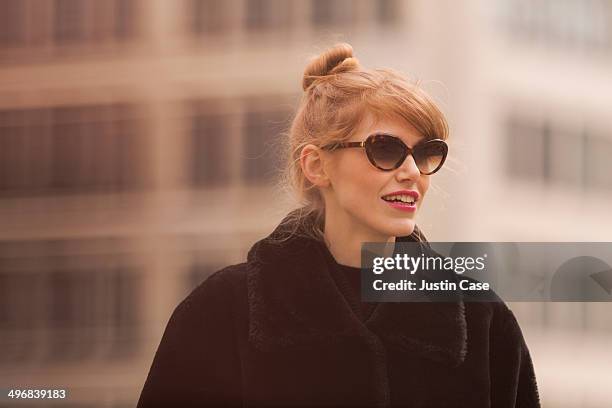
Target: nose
x,y
408,170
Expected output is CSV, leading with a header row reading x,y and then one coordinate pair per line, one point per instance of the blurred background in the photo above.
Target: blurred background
x,y
137,156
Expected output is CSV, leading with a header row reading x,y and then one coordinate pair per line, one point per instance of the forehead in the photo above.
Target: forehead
x,y
394,126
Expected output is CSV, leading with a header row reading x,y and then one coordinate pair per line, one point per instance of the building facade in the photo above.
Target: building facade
x,y
140,144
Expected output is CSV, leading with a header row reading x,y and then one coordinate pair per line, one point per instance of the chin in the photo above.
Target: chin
x,y
400,229
405,229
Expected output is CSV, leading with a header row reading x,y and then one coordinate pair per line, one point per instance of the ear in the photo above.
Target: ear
x,y
312,160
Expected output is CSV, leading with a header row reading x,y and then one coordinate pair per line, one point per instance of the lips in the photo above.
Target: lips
x,y
403,200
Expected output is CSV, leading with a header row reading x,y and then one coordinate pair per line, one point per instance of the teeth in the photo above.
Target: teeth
x,y
403,198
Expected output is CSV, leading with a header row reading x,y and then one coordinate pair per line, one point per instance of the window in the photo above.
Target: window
x,y
123,309
268,14
526,147
261,159
209,16
109,20
575,24
598,162
69,21
541,150
124,17
65,24
332,12
225,17
566,156
74,149
387,11
238,137
58,305
12,22
210,149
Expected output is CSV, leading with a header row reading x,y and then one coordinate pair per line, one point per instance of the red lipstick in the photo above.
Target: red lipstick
x,y
401,203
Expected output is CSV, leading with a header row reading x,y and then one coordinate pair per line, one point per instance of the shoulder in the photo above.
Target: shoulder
x,y
502,323
223,278
505,324
216,290
490,303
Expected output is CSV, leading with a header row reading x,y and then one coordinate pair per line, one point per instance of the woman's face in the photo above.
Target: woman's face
x,y
354,196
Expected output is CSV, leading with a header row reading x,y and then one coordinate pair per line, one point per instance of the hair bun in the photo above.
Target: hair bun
x,y
335,60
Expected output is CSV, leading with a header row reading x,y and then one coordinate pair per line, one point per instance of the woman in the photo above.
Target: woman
x,y
288,326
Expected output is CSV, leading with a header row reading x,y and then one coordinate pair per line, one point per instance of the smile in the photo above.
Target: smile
x,y
401,205
403,198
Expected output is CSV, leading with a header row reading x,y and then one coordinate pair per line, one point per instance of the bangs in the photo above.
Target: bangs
x,y
399,99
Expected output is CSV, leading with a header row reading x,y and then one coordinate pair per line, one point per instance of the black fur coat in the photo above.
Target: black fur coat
x,y
276,331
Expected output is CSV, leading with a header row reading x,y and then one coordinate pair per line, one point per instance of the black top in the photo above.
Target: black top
x,y
348,281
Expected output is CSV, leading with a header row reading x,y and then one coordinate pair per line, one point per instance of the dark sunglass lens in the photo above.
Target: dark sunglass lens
x,y
386,151
430,155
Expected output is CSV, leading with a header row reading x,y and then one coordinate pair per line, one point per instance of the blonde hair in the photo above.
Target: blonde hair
x,y
338,95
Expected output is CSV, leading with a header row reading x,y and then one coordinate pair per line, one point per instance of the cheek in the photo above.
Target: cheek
x,y
356,187
423,185
352,175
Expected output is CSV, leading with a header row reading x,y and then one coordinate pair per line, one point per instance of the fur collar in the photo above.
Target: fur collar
x,y
294,302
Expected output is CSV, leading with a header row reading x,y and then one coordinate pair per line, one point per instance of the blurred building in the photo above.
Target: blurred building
x,y
139,149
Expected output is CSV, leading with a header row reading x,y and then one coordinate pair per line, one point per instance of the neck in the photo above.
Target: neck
x,y
344,238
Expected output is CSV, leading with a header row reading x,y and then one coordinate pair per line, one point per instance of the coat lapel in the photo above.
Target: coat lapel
x,y
294,303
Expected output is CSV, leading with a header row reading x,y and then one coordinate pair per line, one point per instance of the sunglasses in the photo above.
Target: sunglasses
x,y
387,152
